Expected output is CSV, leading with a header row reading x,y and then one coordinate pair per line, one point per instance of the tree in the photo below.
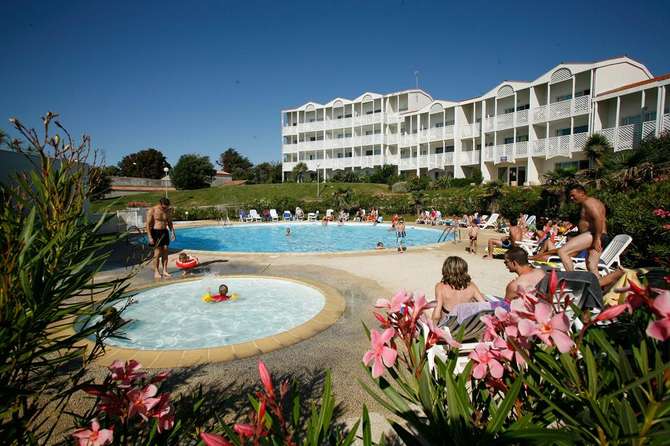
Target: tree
x,y
112,171
235,164
299,172
99,183
192,172
147,163
266,173
598,149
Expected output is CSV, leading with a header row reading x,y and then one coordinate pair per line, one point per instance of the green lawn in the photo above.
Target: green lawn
x,y
233,195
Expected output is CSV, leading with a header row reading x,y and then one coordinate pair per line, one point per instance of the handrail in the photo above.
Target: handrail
x,y
445,233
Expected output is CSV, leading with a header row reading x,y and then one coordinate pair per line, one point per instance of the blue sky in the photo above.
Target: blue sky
x,y
202,76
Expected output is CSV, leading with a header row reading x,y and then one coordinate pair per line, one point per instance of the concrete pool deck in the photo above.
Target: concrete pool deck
x,y
360,278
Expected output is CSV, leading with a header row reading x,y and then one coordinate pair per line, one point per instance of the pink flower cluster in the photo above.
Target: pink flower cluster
x,y
511,335
126,394
661,213
402,315
269,400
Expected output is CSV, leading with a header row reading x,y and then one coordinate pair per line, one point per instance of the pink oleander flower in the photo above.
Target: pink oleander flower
x,y
380,354
613,312
126,373
266,379
419,305
93,436
214,440
142,401
250,430
509,352
397,301
164,412
383,321
660,328
552,330
486,362
437,335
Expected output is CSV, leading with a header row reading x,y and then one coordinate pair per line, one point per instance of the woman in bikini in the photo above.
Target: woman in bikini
x,y
456,287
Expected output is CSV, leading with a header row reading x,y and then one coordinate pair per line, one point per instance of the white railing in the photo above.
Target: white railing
x,y
448,158
436,133
435,160
504,153
540,113
489,123
394,118
505,121
648,129
340,123
560,109
666,122
581,105
488,153
521,148
392,138
578,142
522,117
288,130
466,131
337,143
289,148
371,160
625,137
448,131
558,146
368,119
289,165
407,163
368,140
539,147
470,157
408,139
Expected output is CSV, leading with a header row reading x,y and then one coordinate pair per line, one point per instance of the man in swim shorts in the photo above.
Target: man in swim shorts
x,y
159,225
592,231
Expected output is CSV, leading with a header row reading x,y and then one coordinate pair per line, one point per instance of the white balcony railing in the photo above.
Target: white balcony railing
x,y
539,147
289,130
288,165
666,122
391,138
470,130
521,149
394,118
469,157
369,140
371,160
522,117
627,137
578,142
504,153
436,133
558,146
408,139
489,123
581,105
488,153
407,163
540,113
562,109
505,121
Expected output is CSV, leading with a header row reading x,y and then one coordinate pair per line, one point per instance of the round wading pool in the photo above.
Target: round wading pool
x,y
175,317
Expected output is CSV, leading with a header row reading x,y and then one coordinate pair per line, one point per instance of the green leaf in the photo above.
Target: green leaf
x,y
503,410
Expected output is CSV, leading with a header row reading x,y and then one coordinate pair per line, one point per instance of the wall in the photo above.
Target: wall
x,y
617,75
11,163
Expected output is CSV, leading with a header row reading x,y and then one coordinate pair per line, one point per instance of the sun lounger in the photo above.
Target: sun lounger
x,y
311,216
253,215
243,216
583,286
530,221
288,216
273,215
490,223
609,258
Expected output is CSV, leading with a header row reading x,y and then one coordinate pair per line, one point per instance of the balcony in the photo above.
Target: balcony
x,y
470,157
289,130
368,119
288,165
394,118
558,145
337,143
313,126
371,160
505,121
391,138
369,140
504,153
289,148
489,124
628,137
563,109
407,163
488,153
340,123
470,130
409,139
522,117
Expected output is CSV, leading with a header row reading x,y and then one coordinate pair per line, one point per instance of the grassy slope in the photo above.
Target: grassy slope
x,y
239,194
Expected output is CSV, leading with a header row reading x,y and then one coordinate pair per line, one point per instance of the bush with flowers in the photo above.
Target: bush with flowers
x,y
533,377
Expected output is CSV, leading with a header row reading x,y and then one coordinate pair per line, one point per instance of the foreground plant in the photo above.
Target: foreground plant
x,y
608,383
50,253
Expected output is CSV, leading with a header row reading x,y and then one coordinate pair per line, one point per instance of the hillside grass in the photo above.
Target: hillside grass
x,y
232,195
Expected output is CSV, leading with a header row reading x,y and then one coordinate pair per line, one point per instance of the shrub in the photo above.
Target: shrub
x,y
416,184
399,187
51,254
515,201
192,172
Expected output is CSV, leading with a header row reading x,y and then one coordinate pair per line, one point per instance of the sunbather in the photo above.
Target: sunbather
x,y
516,261
455,287
515,234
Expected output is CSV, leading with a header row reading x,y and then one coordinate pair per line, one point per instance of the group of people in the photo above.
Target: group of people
x,y
429,217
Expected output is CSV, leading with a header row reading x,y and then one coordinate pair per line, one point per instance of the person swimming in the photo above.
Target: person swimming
x,y
288,232
400,235
380,245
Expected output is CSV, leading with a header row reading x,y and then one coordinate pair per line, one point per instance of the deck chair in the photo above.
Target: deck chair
x,y
491,222
288,216
243,216
530,221
311,216
582,285
253,216
273,215
329,214
609,258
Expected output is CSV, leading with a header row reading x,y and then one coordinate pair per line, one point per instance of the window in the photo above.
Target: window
x,y
369,112
582,93
449,122
449,149
368,153
508,110
573,165
339,117
368,132
379,110
339,155
521,138
479,147
439,149
635,119
564,97
581,129
403,108
438,125
523,107
509,140
348,115
562,132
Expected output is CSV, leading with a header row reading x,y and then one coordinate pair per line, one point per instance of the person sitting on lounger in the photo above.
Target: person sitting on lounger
x,y
455,287
515,235
516,261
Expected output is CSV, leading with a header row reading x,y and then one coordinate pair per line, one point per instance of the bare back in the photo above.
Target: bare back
x,y
528,281
515,234
447,297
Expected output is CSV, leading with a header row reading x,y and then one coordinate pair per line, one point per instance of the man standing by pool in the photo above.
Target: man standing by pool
x,y
159,225
592,236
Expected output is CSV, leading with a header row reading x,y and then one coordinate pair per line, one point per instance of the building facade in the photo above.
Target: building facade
x,y
514,133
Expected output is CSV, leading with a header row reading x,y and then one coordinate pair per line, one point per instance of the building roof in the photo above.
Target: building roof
x,y
222,173
636,84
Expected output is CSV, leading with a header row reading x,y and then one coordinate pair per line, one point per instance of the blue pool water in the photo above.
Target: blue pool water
x,y
174,317
305,237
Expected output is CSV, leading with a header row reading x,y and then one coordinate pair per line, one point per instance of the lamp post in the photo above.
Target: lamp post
x,y
317,180
165,169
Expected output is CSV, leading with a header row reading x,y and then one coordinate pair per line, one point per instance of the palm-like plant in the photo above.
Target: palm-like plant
x,y
299,172
598,149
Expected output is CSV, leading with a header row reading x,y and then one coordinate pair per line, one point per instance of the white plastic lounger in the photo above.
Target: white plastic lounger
x,y
288,216
273,215
253,215
311,216
491,222
610,256
530,221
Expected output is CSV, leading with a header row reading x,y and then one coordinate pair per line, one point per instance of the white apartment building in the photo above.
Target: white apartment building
x,y
515,132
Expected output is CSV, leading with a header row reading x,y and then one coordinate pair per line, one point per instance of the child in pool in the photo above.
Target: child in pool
x,y
185,258
380,245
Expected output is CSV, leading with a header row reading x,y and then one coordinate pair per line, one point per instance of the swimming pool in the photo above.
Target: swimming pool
x,y
305,237
174,317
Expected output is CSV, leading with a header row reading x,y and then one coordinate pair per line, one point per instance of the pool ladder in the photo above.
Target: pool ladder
x,y
449,230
